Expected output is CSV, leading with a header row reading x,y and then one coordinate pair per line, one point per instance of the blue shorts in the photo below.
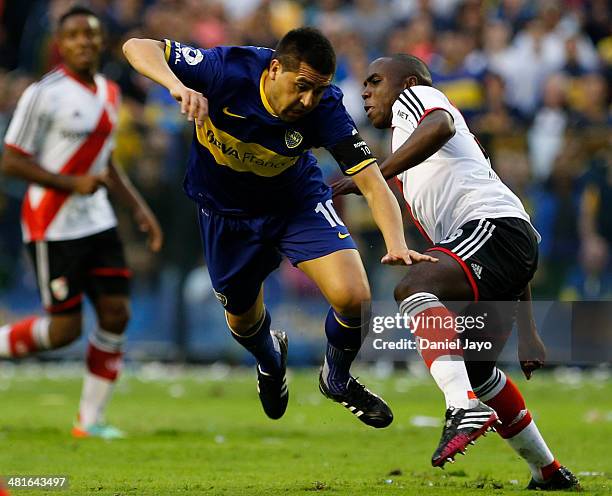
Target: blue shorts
x,y
241,252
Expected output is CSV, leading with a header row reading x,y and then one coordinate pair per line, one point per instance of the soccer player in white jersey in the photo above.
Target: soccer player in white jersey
x,y
487,251
60,141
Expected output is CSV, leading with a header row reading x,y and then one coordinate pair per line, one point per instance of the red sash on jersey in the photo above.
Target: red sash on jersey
x,y
38,219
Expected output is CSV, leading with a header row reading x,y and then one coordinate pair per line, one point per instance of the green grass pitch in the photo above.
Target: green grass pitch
x,y
202,431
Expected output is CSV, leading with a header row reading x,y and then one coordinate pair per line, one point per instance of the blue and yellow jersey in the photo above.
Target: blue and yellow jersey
x,y
244,160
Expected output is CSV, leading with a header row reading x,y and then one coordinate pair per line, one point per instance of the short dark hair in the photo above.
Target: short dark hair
x,y
410,65
307,45
74,11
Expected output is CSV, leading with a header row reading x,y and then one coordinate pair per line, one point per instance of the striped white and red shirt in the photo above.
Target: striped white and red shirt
x,y
456,184
67,127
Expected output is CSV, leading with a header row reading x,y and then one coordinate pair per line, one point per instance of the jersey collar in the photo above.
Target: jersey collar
x,y
262,94
79,79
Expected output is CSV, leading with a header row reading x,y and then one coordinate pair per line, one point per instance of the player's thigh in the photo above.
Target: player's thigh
x,y
237,260
65,328
445,279
59,274
316,240
342,279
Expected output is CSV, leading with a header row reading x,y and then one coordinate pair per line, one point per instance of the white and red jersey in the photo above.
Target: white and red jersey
x,y
66,127
456,184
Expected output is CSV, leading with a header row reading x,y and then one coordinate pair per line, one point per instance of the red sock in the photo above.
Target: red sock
x,y
517,427
105,364
435,325
24,337
549,470
511,410
21,337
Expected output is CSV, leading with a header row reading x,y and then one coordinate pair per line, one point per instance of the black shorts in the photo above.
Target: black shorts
x,y
499,256
94,265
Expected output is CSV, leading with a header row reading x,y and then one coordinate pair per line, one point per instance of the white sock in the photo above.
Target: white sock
x,y
452,379
104,356
94,397
530,445
5,349
41,333
449,370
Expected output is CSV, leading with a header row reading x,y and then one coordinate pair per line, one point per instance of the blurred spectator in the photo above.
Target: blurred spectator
x,y
418,38
527,65
371,20
555,218
591,103
514,13
498,118
456,74
592,278
598,24
549,124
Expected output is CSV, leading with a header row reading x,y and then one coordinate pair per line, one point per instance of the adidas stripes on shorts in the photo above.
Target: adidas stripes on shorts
x,y
498,256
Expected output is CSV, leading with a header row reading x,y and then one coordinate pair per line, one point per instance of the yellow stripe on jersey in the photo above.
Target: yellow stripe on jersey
x,y
359,166
264,99
240,156
167,50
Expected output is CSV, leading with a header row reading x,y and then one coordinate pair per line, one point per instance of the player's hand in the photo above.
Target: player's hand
x,y
147,223
344,186
406,257
531,352
193,103
86,185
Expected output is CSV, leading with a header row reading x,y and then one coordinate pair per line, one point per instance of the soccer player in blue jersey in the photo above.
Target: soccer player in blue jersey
x,y
261,195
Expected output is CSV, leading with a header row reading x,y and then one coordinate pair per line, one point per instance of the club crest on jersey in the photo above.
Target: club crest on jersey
x,y
293,138
192,56
221,297
59,288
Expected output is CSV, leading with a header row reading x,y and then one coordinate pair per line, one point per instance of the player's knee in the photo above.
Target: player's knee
x,y
244,323
352,303
406,288
64,329
114,317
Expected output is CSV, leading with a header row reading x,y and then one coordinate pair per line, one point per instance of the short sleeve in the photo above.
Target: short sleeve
x,y
337,132
334,123
26,130
197,68
415,103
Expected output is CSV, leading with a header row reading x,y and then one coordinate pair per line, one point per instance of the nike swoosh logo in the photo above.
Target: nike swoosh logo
x,y
227,112
342,236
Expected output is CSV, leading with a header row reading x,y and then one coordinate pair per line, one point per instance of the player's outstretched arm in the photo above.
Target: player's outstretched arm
x,y
120,185
22,166
430,135
386,213
147,57
531,349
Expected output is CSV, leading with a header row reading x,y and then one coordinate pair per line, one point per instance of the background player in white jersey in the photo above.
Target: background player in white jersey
x,y
487,250
60,140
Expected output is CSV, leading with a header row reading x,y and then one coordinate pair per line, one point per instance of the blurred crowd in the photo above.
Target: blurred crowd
x,y
532,78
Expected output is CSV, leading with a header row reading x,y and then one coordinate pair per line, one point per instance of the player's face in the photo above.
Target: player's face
x,y
80,42
295,94
380,90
